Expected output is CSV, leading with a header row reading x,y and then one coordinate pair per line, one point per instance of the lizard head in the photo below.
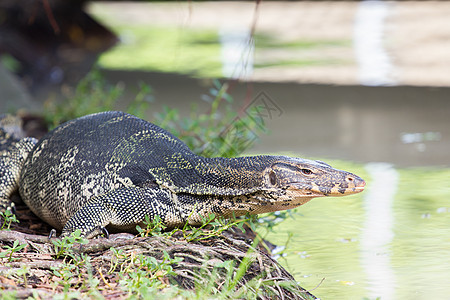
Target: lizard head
x,y
290,182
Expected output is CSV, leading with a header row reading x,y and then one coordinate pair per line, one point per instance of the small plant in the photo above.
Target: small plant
x,y
22,272
141,102
66,273
76,274
271,220
143,275
16,247
236,274
8,218
117,258
220,131
63,247
215,225
234,285
152,227
94,94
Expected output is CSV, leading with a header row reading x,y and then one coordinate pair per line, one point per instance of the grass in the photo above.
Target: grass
x,y
265,41
156,266
297,63
166,49
198,52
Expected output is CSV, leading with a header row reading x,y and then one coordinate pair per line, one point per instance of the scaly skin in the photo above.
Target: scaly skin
x,y
112,169
14,149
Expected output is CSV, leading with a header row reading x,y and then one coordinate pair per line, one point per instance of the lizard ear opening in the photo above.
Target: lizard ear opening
x,y
272,178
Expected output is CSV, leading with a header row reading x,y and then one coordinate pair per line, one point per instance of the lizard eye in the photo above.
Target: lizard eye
x,y
306,171
273,178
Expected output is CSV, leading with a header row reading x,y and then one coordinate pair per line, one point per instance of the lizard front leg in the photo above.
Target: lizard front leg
x,y
119,210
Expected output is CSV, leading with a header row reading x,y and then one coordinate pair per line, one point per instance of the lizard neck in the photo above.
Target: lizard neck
x,y
217,176
232,176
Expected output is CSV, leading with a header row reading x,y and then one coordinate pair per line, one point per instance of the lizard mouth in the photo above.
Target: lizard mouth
x,y
354,186
300,190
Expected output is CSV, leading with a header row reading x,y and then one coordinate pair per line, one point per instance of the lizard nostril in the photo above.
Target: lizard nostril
x,y
356,181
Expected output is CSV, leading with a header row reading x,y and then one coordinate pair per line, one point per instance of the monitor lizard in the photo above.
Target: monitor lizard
x,y
109,170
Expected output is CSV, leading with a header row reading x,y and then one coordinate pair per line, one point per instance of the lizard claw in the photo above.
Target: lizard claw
x,y
105,232
6,204
52,233
12,208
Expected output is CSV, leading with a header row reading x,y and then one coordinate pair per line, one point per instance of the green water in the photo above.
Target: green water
x,y
397,247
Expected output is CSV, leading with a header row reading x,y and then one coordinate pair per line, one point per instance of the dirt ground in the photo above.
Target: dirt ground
x,y
416,34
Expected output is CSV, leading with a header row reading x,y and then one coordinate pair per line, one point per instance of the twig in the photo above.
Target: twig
x,y
51,18
320,283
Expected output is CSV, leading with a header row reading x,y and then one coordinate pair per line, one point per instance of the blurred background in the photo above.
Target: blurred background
x,y
364,85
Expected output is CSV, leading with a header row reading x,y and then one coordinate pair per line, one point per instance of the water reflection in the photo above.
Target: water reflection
x,y
374,64
390,242
377,233
237,50
418,139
